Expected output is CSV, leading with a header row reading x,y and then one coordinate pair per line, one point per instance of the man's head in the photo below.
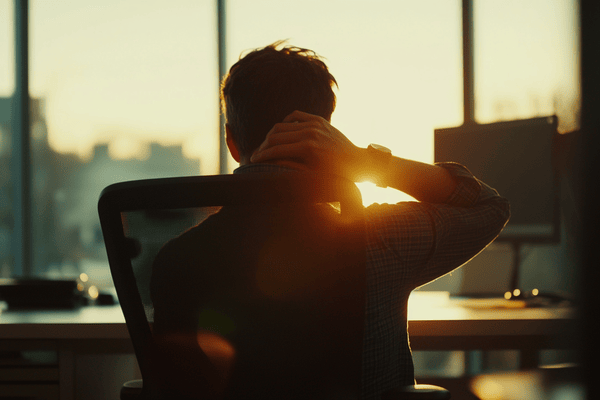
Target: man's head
x,y
266,85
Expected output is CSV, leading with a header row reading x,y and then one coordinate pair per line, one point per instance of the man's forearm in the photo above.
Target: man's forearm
x,y
309,142
424,182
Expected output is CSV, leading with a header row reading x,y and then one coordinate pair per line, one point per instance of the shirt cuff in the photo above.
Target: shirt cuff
x,y
468,187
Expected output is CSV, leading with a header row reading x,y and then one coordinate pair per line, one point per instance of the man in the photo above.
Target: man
x,y
278,102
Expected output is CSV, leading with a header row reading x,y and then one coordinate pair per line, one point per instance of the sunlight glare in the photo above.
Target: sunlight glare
x,y
372,194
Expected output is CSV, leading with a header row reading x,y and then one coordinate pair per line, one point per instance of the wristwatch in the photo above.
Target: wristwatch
x,y
380,162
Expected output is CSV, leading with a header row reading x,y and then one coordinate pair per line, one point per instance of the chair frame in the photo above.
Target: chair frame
x,y
198,191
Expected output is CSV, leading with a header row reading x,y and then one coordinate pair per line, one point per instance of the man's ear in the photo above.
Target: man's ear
x,y
233,150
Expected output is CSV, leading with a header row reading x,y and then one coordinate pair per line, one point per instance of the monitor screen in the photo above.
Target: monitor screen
x,y
517,158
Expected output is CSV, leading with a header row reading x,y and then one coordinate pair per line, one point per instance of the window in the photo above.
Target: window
x,y
129,90
120,91
526,60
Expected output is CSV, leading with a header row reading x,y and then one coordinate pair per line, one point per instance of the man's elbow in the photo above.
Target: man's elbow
x,y
502,207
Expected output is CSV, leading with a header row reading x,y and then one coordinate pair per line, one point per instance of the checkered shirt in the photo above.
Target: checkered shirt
x,y
408,245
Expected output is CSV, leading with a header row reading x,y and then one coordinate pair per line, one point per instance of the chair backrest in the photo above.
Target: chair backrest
x,y
263,262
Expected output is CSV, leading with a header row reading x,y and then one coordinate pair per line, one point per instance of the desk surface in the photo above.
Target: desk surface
x,y
436,314
101,322
435,323
432,316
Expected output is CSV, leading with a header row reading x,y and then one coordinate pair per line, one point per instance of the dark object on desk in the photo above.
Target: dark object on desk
x,y
323,322
40,293
105,299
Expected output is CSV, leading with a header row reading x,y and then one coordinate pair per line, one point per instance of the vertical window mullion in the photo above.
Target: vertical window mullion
x,y
468,73
21,162
222,56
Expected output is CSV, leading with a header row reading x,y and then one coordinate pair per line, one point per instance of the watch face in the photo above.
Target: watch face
x,y
381,148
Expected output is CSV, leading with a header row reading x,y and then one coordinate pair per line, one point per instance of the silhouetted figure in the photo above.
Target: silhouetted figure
x,y
278,102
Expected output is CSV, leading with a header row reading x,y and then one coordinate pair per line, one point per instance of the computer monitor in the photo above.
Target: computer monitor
x,y
517,158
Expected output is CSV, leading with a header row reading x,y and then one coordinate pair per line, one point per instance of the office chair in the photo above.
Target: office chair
x,y
296,334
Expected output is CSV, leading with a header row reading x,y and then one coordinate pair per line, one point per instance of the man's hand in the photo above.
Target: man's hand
x,y
309,142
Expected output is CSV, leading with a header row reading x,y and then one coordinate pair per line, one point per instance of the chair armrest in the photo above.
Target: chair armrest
x,y
417,392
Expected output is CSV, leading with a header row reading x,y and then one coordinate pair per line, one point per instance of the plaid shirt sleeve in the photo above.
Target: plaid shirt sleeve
x,y
428,240
410,244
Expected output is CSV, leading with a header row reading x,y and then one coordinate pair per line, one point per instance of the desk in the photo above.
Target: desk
x,y
438,322
86,330
435,323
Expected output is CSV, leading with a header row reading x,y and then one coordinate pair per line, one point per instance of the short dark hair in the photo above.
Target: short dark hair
x,y
267,84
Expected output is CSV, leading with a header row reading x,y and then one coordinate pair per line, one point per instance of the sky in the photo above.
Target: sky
x,y
129,72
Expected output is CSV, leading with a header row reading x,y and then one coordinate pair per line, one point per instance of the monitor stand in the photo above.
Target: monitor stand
x,y
516,265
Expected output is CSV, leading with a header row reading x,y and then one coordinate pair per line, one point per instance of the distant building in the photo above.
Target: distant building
x,y
82,187
65,191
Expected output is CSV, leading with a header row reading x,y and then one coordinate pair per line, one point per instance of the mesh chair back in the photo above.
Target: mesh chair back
x,y
267,269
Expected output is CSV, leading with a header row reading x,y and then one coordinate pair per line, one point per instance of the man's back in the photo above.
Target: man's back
x,y
283,287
